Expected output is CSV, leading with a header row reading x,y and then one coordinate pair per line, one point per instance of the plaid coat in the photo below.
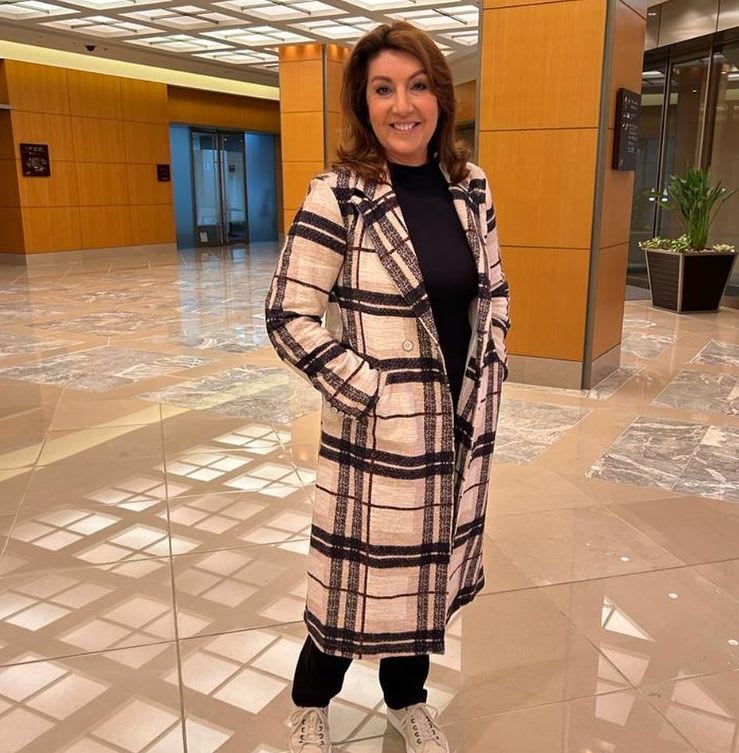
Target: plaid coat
x,y
400,497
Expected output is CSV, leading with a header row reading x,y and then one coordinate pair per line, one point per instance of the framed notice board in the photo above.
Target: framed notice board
x,y
35,160
626,132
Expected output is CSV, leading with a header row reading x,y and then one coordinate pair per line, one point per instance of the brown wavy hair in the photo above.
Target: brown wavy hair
x,y
360,149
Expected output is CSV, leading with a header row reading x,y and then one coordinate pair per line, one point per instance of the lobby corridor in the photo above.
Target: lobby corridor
x,y
156,472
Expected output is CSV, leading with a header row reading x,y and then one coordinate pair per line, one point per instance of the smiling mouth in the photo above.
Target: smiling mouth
x,y
404,127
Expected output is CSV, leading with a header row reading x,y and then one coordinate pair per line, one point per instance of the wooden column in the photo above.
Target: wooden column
x,y
310,116
550,71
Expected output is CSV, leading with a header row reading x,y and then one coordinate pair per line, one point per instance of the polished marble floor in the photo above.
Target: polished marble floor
x,y
156,472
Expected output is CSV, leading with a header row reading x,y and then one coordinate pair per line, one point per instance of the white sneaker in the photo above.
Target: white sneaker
x,y
420,731
309,730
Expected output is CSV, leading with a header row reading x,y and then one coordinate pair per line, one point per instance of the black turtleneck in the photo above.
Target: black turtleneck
x,y
445,258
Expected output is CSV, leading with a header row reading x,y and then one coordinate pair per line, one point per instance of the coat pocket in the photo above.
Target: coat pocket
x,y
397,417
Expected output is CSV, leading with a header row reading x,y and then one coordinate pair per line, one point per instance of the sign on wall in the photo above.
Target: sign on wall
x,y
163,173
35,160
626,133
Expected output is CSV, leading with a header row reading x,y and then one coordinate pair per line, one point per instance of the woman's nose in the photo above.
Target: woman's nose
x,y
402,103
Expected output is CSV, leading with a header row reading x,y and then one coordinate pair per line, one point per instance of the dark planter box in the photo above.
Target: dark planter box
x,y
692,281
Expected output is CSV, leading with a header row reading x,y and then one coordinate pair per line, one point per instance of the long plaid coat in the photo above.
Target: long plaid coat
x,y
400,498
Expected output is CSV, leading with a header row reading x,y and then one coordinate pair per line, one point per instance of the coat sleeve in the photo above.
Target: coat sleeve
x,y
499,293
307,269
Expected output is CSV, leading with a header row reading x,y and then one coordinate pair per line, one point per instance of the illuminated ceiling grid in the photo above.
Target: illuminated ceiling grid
x,y
239,33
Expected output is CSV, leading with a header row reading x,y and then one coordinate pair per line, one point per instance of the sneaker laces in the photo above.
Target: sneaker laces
x,y
310,727
420,719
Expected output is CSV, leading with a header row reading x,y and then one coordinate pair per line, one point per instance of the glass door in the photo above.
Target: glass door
x,y
219,187
646,175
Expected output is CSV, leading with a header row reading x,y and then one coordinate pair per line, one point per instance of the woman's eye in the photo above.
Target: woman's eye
x,y
420,86
382,90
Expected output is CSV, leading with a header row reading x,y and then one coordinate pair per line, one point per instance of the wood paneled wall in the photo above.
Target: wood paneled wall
x,y
106,135
336,57
538,141
11,219
198,107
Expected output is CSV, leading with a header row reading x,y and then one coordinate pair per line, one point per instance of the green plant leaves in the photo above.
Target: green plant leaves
x,y
695,202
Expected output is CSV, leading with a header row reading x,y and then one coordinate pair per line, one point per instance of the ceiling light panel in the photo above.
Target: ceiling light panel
x,y
179,43
101,26
258,36
20,10
108,4
346,29
276,11
435,19
466,38
242,57
383,5
184,17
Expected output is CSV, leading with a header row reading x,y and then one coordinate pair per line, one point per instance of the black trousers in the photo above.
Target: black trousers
x,y
319,677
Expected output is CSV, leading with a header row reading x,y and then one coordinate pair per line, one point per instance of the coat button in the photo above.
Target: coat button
x,y
407,345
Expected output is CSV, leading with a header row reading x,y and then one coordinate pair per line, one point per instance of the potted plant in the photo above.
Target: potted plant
x,y
684,275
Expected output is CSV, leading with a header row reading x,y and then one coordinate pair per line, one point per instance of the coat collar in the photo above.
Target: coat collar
x,y
387,231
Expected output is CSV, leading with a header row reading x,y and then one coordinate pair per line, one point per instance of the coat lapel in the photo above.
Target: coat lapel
x,y
467,198
387,232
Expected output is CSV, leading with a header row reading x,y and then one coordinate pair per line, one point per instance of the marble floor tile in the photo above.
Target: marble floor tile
x,y
499,659
272,395
724,574
720,353
559,546
15,344
62,612
101,368
679,456
601,391
101,444
133,484
231,521
694,529
238,685
656,626
13,482
234,589
75,410
621,722
646,343
20,397
189,429
98,703
86,534
704,709
702,391
239,339
22,437
104,323
526,429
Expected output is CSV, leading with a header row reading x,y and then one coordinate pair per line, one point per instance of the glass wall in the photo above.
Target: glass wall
x,y
724,151
650,128
689,117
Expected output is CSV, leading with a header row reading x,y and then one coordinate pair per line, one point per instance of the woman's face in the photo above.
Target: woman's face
x,y
403,111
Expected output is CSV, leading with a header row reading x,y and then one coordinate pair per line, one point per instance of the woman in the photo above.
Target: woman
x,y
397,247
